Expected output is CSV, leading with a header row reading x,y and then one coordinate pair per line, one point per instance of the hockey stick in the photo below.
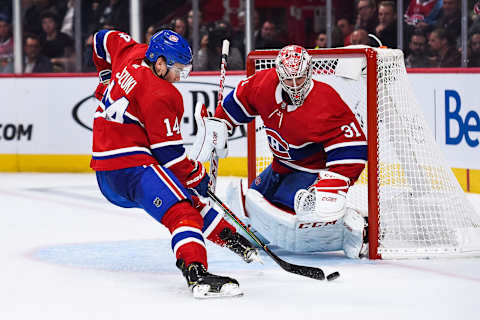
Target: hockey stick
x,y
213,170
310,272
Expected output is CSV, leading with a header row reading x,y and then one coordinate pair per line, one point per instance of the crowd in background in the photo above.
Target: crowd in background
x,y
432,30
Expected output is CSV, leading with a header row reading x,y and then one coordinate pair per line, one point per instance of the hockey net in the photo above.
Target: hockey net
x,y
415,206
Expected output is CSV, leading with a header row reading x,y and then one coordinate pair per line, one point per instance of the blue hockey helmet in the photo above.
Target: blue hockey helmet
x,y
170,45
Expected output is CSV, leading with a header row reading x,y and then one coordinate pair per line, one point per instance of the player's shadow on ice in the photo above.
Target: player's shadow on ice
x,y
155,256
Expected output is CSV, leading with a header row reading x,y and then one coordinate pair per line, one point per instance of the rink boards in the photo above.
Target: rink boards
x,y
45,121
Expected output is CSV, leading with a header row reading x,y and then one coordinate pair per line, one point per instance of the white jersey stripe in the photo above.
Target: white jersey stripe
x,y
175,161
300,168
109,59
186,241
205,210
120,151
168,182
186,228
345,161
166,144
134,118
241,105
212,225
345,144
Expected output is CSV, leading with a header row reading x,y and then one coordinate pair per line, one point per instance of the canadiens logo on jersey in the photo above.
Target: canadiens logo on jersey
x,y
278,145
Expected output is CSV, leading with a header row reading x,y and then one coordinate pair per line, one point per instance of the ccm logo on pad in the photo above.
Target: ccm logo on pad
x,y
318,224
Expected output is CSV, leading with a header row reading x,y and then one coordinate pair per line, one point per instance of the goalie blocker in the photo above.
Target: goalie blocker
x,y
212,135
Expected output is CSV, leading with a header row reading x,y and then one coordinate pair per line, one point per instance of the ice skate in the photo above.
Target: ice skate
x,y
206,285
240,245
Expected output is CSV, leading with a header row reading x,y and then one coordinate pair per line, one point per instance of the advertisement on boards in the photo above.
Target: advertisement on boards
x,y
54,115
451,104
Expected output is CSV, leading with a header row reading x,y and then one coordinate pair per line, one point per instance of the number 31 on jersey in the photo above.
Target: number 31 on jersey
x,y
350,130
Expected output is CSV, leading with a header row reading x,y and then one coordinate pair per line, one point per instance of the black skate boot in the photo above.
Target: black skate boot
x,y
207,285
240,245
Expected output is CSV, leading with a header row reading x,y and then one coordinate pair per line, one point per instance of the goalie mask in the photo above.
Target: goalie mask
x,y
294,70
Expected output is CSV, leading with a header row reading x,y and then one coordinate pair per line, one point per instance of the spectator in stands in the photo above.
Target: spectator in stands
x,y
366,15
34,61
238,35
423,14
6,45
93,16
386,30
347,28
417,58
57,46
116,13
179,26
149,33
32,19
209,56
450,19
321,40
67,21
268,38
445,55
474,50
87,61
6,7
360,36
202,27
337,37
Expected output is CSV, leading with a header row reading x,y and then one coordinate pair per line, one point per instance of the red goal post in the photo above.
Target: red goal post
x,y
396,169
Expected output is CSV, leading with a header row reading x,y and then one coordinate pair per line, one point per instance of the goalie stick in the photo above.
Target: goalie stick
x,y
213,169
310,272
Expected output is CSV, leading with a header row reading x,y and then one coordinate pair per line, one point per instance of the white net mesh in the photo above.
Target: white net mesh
x,y
422,210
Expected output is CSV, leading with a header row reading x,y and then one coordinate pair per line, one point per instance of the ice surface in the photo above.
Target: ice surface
x,y
66,253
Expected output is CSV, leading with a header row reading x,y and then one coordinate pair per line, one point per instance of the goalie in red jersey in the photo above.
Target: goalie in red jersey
x,y
138,151
319,150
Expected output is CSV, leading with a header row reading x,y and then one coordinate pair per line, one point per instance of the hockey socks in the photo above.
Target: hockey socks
x,y
185,225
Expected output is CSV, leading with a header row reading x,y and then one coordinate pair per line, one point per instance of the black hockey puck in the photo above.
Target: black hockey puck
x,y
333,276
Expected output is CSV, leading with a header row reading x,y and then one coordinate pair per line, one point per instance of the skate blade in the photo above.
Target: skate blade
x,y
255,257
228,290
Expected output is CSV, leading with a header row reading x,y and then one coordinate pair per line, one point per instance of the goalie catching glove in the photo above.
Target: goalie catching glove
x,y
212,135
326,198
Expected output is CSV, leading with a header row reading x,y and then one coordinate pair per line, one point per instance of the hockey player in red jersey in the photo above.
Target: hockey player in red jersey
x,y
138,151
319,150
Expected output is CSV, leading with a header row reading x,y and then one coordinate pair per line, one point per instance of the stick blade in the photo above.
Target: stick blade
x,y
309,272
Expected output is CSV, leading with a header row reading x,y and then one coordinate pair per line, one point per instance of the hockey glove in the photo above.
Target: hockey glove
x,y
326,198
197,180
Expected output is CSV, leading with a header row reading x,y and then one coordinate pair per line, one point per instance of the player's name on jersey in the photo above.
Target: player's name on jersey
x,y
126,81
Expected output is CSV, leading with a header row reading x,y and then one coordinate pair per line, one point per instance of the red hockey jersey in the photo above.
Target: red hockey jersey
x,y
138,119
323,133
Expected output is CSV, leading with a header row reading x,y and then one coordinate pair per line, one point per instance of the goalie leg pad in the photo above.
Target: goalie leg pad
x,y
289,231
353,242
